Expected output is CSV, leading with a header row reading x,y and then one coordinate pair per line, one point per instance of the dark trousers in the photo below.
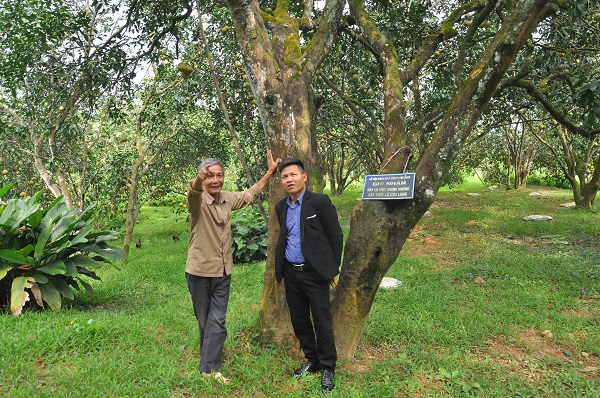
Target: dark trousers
x,y
306,296
210,297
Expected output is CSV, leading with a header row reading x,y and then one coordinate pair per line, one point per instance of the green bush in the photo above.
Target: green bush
x,y
249,235
455,177
556,180
45,252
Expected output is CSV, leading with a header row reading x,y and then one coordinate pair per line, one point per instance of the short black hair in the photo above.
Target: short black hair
x,y
289,162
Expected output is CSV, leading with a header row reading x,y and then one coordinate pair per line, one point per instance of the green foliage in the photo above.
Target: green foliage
x,y
455,176
556,181
454,379
45,252
249,235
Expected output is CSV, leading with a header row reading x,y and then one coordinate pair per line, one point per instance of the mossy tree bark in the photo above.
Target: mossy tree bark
x,y
280,71
379,229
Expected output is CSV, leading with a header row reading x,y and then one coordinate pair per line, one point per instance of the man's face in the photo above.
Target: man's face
x,y
214,182
293,180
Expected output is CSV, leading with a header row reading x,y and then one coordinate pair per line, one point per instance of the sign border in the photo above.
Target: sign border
x,y
395,174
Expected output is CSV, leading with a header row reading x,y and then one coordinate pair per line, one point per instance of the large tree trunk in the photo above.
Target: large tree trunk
x,y
280,72
378,228
274,319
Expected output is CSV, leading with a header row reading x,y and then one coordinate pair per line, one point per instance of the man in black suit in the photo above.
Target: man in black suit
x,y
307,258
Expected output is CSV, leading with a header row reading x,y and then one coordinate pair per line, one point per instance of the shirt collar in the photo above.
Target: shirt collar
x,y
298,201
209,199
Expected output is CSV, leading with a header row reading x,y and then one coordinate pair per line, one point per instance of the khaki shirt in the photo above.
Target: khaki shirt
x,y
210,253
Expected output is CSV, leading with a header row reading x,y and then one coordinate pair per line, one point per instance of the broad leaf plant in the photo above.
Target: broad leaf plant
x,y
46,252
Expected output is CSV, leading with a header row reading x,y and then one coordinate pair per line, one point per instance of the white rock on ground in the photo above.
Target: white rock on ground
x,y
537,217
390,283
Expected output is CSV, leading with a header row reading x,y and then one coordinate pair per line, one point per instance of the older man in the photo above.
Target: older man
x,y
210,258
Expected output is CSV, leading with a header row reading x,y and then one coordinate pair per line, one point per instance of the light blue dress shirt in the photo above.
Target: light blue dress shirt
x,y
293,251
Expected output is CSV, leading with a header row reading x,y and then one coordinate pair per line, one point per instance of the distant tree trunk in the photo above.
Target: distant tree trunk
x,y
148,153
54,181
520,153
508,171
581,170
133,205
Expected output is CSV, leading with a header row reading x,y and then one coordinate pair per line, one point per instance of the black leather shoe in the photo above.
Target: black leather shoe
x,y
327,381
307,366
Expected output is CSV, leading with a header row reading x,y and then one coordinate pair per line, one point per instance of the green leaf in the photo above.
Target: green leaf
x,y
40,278
62,286
4,270
41,244
7,213
54,268
71,268
13,256
26,250
54,210
84,261
62,227
36,218
108,252
18,295
88,288
90,273
5,189
81,237
51,295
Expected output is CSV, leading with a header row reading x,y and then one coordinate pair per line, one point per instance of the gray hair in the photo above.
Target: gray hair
x,y
211,162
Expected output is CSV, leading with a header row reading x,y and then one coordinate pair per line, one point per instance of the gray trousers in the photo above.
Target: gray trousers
x,y
210,297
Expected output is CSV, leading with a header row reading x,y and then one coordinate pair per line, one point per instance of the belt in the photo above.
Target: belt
x,y
296,266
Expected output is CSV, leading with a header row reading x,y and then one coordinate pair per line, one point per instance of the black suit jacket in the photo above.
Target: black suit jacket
x,y
320,234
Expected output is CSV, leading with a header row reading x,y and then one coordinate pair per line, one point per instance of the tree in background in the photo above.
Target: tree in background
x,y
579,160
561,73
349,114
52,75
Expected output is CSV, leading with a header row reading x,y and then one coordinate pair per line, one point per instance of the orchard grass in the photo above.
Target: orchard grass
x,y
531,328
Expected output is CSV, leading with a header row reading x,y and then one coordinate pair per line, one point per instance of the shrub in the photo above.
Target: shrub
x,y
455,177
45,252
249,235
556,180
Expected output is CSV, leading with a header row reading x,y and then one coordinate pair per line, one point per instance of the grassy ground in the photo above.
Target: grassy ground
x,y
529,328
